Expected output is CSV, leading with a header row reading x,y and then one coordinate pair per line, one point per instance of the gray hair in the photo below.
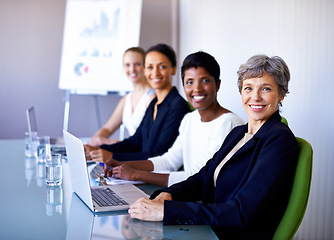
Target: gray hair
x,y
257,65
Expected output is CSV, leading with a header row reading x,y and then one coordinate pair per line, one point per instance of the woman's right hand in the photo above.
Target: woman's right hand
x,y
124,171
100,140
147,210
109,166
88,149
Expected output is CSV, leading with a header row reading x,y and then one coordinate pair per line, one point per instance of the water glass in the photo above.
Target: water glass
x,y
31,143
30,169
54,174
44,148
54,200
40,173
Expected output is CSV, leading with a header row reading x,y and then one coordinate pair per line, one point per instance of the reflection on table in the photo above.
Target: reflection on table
x,y
32,210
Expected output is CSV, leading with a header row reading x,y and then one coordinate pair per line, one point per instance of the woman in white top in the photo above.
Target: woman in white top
x,y
193,148
131,108
201,131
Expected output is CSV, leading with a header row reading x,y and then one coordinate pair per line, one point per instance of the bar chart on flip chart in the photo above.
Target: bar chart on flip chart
x,y
96,34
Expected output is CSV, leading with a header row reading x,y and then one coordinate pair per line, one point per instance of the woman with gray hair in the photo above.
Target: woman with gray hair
x,y
242,192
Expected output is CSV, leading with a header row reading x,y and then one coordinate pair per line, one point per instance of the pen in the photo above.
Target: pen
x,y
101,178
102,164
110,168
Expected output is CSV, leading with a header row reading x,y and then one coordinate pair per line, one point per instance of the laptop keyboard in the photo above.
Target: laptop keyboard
x,y
107,197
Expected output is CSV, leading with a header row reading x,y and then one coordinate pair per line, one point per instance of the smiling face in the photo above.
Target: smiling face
x,y
200,88
158,70
260,98
133,66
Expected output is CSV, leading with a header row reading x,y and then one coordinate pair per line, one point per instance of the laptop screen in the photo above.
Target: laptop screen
x,y
31,119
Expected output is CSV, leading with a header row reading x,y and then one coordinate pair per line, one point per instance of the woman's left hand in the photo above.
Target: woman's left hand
x,y
147,210
124,172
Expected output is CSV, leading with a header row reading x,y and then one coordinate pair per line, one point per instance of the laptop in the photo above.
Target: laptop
x,y
31,118
84,225
57,144
80,220
97,198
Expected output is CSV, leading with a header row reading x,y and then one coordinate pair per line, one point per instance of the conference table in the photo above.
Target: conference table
x,y
31,210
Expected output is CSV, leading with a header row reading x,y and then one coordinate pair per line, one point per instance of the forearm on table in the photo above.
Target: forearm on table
x,y
145,165
152,178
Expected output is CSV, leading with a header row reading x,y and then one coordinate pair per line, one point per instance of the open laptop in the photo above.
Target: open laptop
x,y
127,193
84,225
80,220
31,119
32,126
57,144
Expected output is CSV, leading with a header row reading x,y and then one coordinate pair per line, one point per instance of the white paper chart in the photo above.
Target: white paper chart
x,y
96,34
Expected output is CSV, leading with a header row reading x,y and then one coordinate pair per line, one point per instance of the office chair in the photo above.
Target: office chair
x,y
191,107
300,191
283,120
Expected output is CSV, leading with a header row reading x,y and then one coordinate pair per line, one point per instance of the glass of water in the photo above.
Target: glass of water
x,y
54,200
31,143
54,175
44,148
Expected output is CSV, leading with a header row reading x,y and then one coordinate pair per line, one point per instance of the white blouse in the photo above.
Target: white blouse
x,y
131,120
239,145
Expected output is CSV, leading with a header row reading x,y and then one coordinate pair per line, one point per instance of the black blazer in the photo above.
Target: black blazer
x,y
153,138
252,188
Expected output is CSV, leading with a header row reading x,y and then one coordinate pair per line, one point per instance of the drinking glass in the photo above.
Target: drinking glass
x,y
54,200
40,173
44,148
31,143
54,174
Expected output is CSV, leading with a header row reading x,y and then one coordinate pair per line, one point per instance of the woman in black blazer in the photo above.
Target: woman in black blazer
x,y
160,125
242,192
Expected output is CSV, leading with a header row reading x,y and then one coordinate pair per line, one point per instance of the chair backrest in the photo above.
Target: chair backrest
x,y
297,204
283,119
191,107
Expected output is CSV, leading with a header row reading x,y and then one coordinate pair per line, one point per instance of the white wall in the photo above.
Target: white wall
x,y
30,43
302,33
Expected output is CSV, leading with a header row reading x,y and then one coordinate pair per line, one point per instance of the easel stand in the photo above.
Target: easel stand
x,y
67,109
68,95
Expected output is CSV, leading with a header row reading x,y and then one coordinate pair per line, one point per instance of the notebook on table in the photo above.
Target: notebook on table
x,y
97,198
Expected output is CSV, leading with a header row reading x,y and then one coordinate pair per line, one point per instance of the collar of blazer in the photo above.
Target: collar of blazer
x,y
169,98
239,133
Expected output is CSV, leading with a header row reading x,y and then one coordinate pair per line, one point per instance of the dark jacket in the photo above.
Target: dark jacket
x,y
252,188
153,138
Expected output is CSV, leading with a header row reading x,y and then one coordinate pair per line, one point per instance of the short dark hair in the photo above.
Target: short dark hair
x,y
165,50
201,59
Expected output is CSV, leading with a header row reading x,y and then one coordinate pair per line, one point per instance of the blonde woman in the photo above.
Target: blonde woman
x,y
131,108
